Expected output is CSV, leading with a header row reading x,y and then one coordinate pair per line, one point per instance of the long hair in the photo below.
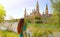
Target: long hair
x,y
20,25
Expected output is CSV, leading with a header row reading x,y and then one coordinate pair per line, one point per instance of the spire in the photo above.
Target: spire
x,y
25,13
37,8
43,13
46,9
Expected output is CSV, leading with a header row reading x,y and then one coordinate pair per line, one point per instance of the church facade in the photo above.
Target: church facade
x,y
36,16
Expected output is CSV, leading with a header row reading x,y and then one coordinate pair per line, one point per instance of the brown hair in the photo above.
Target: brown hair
x,y
20,25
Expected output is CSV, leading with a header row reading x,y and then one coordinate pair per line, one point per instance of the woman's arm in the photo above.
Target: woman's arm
x,y
24,33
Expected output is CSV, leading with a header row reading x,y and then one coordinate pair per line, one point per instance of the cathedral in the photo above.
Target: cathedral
x,y
36,17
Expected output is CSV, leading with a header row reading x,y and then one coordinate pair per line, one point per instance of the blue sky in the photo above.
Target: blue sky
x,y
15,8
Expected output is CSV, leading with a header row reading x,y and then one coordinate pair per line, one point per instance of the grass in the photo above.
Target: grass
x,y
8,34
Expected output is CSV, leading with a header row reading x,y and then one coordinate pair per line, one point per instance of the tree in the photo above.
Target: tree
x,y
56,12
2,13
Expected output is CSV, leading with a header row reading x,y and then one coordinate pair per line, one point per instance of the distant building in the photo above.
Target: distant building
x,y
36,16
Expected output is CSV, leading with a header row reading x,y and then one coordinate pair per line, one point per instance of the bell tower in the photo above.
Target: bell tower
x,y
46,9
37,8
25,13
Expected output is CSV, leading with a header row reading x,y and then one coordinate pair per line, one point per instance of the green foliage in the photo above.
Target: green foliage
x,y
55,19
2,13
37,17
56,7
39,30
28,20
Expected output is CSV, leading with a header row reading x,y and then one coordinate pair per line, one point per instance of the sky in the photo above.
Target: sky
x,y
15,8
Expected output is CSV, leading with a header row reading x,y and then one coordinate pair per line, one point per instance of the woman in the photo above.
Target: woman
x,y
21,28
